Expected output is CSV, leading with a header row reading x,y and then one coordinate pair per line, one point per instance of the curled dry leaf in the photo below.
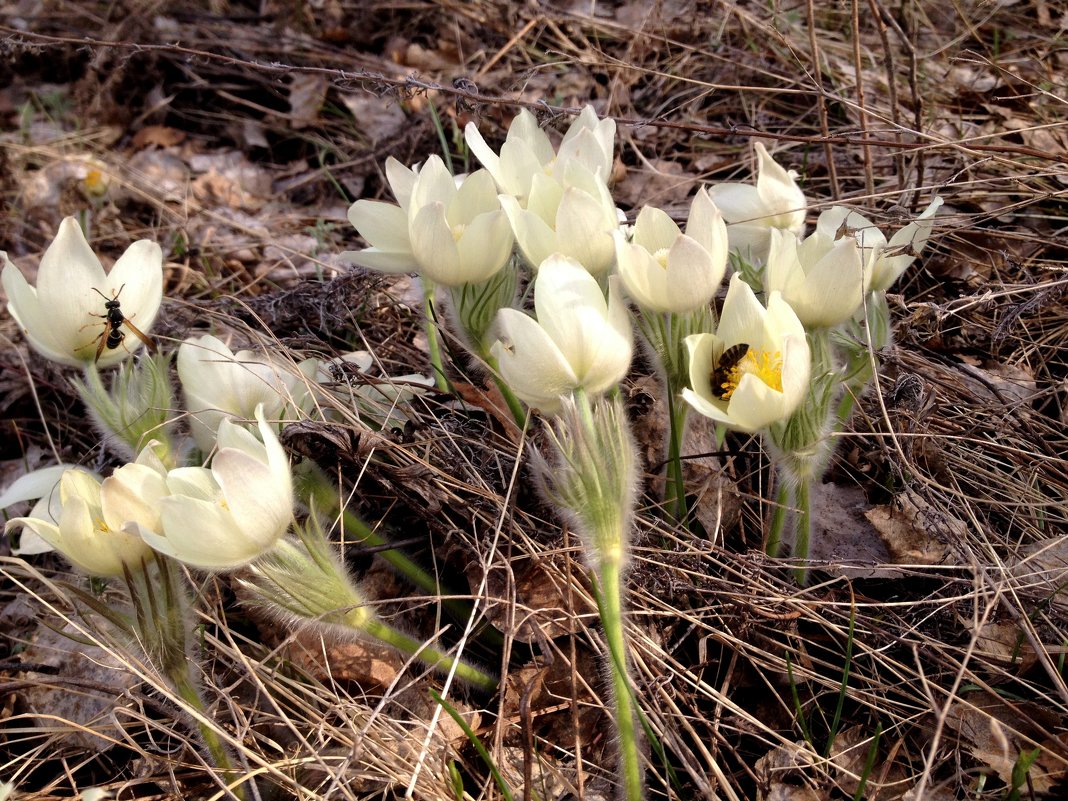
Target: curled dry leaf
x,y
914,531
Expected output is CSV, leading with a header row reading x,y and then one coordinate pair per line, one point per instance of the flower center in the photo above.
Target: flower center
x,y
764,365
661,256
458,231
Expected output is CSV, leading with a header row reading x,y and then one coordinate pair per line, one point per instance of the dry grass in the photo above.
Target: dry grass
x,y
951,655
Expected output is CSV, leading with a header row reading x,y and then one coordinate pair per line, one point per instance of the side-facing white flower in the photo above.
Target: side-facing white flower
x,y
665,270
771,365
88,523
41,485
579,341
776,201
884,261
62,315
527,151
224,517
453,232
821,278
571,214
218,384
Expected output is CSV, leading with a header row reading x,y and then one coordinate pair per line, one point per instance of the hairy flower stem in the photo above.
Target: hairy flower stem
x,y
305,580
675,489
610,605
665,334
515,406
428,654
186,689
593,481
801,448
322,495
433,344
783,499
804,531
160,604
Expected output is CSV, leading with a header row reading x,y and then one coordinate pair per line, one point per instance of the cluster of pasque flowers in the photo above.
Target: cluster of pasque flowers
x,y
236,509
783,348
792,339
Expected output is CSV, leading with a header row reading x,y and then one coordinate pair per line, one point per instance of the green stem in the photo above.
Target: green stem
x,y
432,342
845,406
804,531
427,653
610,604
160,599
779,515
187,691
515,406
675,488
322,493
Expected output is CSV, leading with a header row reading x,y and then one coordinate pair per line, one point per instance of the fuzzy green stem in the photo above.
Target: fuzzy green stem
x,y
160,599
319,490
187,691
610,605
666,335
433,344
804,531
515,406
783,499
427,653
675,490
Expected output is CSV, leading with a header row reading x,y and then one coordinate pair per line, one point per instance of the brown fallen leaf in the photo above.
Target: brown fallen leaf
x,y
914,531
157,135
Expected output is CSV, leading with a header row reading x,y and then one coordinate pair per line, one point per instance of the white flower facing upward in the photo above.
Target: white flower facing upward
x,y
452,232
527,151
579,341
776,201
665,270
884,261
821,278
226,516
87,519
771,366
62,315
219,384
569,213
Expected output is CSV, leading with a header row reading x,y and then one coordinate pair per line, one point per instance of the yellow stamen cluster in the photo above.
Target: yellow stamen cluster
x,y
764,365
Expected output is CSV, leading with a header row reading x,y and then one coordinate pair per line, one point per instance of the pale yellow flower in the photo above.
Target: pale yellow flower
x,y
771,364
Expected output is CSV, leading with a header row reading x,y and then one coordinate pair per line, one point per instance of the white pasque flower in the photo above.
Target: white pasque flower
x,y
527,151
452,232
821,278
62,316
218,384
224,517
776,201
884,261
771,362
665,270
570,213
41,485
579,341
86,519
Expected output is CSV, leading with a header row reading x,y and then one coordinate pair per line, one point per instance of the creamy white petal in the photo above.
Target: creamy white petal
x,y
383,225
